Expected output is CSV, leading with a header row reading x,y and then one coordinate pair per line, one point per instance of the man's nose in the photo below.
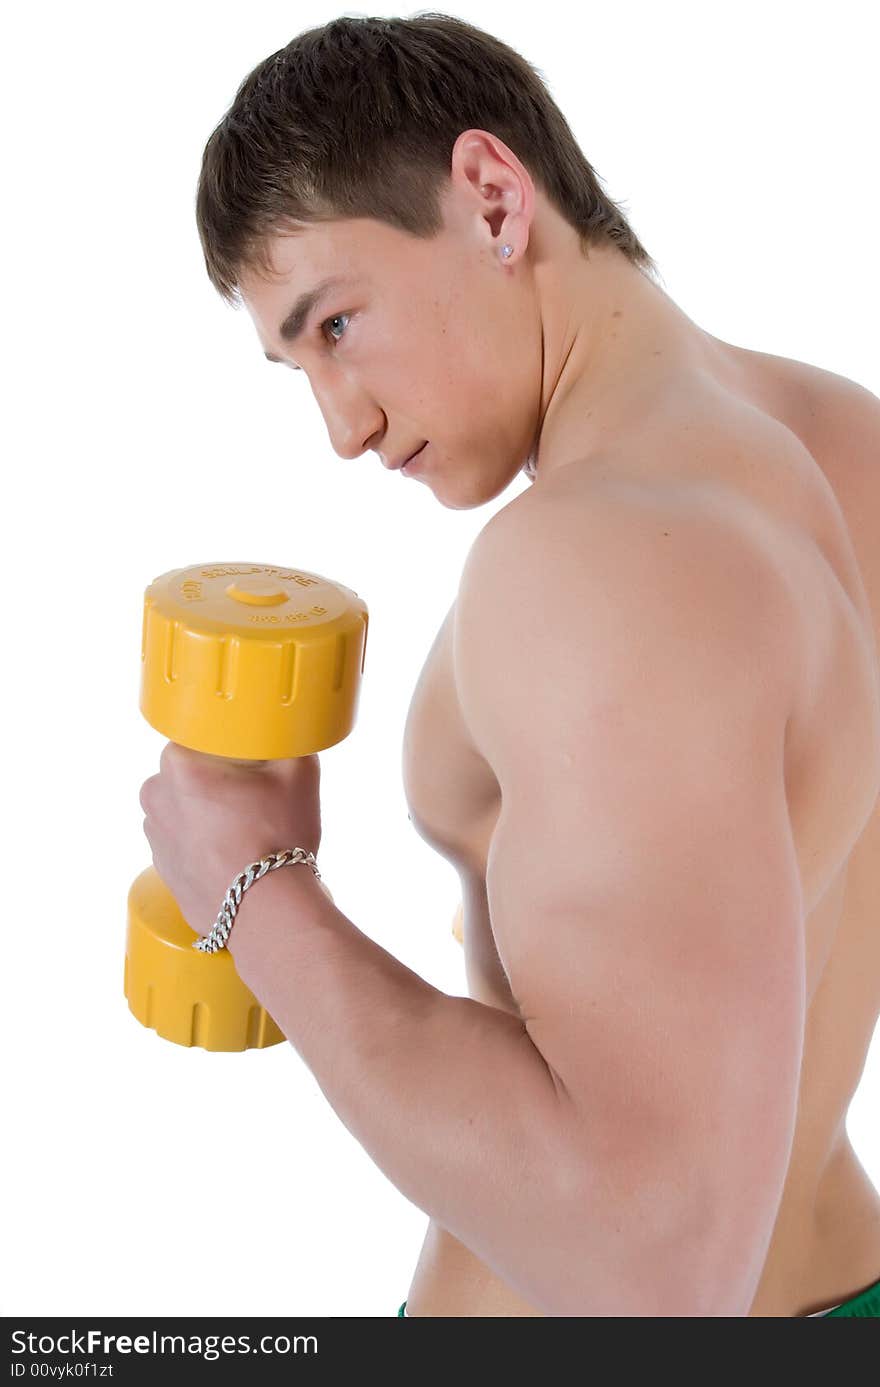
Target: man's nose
x,y
352,420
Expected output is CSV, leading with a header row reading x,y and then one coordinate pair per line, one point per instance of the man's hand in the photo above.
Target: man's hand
x,y
207,818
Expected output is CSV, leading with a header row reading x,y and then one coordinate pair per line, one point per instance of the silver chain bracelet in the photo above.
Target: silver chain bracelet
x,y
232,900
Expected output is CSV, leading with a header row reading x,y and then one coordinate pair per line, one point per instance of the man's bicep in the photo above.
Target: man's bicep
x,y
642,879
661,977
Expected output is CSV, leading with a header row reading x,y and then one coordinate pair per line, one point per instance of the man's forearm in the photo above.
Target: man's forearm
x,y
449,1097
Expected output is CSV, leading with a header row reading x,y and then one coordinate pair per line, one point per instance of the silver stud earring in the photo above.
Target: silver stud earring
x,y
506,251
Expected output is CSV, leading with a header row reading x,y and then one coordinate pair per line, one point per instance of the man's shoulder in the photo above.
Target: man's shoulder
x,y
606,556
594,517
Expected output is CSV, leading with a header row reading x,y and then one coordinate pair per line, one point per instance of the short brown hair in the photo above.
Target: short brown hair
x,y
358,118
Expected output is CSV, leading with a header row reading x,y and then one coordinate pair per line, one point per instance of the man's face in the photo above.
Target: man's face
x,y
427,340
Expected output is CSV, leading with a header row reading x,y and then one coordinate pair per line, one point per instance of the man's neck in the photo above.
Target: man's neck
x,y
611,337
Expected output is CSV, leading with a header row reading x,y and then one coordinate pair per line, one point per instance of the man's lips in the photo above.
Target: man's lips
x,y
415,455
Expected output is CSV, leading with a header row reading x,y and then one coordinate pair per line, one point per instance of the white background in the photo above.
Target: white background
x,y
146,432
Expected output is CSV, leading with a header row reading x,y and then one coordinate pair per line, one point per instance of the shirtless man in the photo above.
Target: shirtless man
x,y
663,656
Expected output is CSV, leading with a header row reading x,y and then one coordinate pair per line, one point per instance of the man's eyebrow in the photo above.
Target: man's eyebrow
x,y
299,315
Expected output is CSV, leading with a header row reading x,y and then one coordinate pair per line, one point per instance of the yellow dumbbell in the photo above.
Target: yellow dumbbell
x,y
252,662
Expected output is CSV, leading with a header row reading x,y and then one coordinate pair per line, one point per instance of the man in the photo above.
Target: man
x,y
654,708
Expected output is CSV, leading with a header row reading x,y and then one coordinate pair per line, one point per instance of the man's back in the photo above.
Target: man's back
x,y
796,455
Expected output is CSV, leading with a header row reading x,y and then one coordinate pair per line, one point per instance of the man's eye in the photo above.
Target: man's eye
x,y
337,317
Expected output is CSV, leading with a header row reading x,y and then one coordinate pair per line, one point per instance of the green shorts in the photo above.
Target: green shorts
x,y
865,1306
